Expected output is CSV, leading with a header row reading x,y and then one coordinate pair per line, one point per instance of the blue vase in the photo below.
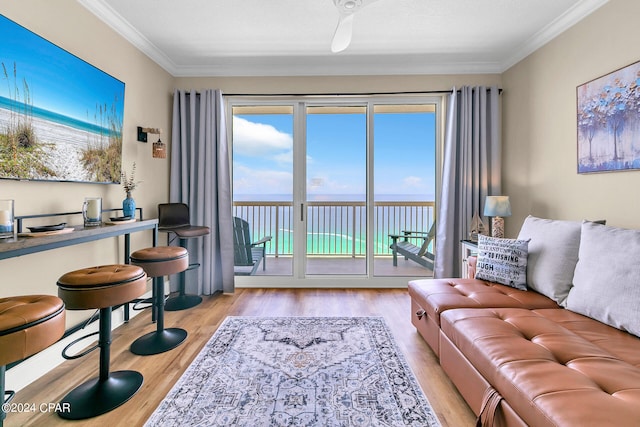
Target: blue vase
x,y
129,206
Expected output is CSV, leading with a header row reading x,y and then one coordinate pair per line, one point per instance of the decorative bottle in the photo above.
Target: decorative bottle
x,y
129,206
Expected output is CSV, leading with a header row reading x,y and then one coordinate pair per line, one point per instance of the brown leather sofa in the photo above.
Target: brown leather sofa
x,y
519,359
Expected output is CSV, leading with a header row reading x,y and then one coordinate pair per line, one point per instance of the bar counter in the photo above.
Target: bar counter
x,y
18,246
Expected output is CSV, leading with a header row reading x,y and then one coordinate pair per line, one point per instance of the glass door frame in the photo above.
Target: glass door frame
x,y
337,103
299,278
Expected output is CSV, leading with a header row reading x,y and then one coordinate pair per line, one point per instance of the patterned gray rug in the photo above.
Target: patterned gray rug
x,y
297,371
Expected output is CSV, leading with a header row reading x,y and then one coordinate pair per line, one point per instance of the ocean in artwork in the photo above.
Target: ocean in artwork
x,y
61,140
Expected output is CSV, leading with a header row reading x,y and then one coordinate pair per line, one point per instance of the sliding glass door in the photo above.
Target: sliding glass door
x,y
404,185
263,188
332,181
336,190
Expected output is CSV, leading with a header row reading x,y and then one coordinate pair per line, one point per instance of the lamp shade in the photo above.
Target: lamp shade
x,y
497,206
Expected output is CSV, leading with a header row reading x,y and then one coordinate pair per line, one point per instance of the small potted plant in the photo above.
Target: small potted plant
x,y
129,184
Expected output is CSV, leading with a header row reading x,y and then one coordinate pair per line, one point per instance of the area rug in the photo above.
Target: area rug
x,y
297,371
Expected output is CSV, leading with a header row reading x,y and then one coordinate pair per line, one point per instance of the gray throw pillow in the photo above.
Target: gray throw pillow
x,y
553,254
605,283
502,261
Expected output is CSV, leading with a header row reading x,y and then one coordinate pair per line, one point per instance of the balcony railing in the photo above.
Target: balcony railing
x,y
335,227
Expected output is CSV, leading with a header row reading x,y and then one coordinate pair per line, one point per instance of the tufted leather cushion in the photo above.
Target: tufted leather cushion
x,y
553,366
438,295
435,296
161,260
28,325
102,286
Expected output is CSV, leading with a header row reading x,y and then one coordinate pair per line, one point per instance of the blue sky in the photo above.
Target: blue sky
x,y
404,154
58,81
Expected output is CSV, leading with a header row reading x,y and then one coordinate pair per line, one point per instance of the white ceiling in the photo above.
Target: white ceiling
x,y
293,37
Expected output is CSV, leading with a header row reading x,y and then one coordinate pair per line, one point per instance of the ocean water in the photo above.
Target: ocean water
x,y
333,230
334,197
52,116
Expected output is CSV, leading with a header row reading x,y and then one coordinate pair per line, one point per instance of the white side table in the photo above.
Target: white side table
x,y
467,248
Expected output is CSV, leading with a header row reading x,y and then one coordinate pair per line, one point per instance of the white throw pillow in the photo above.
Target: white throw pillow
x,y
607,277
553,254
502,261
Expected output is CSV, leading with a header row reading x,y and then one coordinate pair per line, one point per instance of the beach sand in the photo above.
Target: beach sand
x,y
62,146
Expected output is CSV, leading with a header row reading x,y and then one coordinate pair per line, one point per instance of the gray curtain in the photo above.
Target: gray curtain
x,y
200,177
471,170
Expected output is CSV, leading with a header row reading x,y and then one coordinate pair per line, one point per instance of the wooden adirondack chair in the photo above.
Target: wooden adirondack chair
x,y
246,252
420,254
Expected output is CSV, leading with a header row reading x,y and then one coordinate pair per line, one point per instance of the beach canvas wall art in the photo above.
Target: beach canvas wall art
x,y
608,120
60,117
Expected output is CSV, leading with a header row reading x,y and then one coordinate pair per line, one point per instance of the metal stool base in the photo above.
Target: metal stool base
x,y
182,302
96,397
158,341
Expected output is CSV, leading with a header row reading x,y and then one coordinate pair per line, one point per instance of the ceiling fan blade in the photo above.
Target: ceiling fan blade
x,y
351,6
344,31
342,36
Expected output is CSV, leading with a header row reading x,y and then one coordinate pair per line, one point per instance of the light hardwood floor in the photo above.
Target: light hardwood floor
x,y
162,371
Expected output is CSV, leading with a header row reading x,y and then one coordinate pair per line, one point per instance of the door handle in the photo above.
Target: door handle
x,y
301,211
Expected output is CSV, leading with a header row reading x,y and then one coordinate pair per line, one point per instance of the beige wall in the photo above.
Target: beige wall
x,y
539,101
147,103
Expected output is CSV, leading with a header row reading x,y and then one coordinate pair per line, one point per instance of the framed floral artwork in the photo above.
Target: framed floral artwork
x,y
608,118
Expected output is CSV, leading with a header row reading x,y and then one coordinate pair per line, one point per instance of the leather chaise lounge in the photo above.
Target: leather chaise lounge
x,y
521,358
431,298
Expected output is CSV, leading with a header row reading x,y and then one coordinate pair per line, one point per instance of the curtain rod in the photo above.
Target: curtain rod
x,y
422,92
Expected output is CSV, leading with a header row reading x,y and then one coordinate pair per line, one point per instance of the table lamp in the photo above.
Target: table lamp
x,y
497,207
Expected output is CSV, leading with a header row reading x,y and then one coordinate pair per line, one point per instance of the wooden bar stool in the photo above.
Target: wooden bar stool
x,y
103,288
158,262
28,325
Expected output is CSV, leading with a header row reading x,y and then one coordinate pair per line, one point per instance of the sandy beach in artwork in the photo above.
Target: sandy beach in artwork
x,y
62,146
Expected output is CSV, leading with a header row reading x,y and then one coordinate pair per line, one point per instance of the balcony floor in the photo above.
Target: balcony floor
x,y
383,266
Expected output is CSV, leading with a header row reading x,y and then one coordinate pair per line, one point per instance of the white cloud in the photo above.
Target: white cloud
x,y
324,184
412,181
284,158
258,139
261,181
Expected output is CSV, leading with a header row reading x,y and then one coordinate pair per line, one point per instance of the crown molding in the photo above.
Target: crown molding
x,y
106,14
563,23
354,65
334,65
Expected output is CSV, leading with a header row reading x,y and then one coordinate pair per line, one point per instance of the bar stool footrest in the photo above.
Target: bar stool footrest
x,y
96,397
158,341
76,341
137,302
193,266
